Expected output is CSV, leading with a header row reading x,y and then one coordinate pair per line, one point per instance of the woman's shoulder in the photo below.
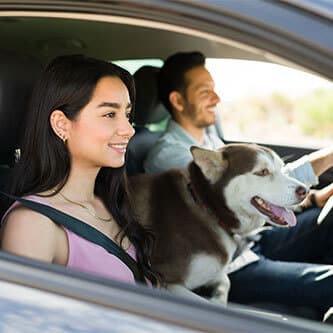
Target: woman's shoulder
x,y
23,220
27,232
19,211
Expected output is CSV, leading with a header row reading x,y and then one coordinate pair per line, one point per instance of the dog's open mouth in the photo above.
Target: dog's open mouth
x,y
279,215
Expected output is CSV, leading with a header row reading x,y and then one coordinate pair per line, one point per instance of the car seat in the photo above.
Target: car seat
x,y
17,75
147,110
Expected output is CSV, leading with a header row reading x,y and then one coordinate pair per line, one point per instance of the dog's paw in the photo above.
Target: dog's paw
x,y
181,290
220,294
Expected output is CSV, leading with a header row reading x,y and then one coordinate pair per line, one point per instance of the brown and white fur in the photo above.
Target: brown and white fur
x,y
196,214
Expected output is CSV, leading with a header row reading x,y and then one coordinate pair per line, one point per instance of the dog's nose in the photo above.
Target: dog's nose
x,y
301,192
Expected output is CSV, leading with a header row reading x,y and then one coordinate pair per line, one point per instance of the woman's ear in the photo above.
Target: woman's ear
x,y
60,124
177,101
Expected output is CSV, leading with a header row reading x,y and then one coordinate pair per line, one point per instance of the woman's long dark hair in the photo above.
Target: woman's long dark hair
x,y
67,84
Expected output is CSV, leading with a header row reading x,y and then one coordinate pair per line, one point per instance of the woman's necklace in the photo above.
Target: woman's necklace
x,y
90,212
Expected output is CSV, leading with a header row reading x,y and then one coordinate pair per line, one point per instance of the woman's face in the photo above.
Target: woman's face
x,y
98,137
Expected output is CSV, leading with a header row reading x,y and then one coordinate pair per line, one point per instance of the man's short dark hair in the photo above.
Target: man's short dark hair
x,y
172,74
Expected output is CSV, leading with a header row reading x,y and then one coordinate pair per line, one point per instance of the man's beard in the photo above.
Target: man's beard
x,y
198,117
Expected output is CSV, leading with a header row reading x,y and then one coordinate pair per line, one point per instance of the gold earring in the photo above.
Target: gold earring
x,y
62,137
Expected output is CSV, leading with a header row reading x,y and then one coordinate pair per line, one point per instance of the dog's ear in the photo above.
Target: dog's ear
x,y
210,162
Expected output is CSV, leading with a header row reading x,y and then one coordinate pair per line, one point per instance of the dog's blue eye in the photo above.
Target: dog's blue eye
x,y
262,173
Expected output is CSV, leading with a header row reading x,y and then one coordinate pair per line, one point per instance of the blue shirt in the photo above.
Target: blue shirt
x,y
172,149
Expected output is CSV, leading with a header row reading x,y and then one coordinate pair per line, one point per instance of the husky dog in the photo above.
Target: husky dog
x,y
198,215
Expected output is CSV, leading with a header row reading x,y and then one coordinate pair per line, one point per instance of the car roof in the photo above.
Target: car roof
x,y
257,30
319,7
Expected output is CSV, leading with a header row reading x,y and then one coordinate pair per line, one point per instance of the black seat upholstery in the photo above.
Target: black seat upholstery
x,y
148,110
17,76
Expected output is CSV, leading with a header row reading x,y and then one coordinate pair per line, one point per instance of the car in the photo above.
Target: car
x,y
288,34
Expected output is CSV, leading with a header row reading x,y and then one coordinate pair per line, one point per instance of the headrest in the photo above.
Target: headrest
x,y
18,73
148,108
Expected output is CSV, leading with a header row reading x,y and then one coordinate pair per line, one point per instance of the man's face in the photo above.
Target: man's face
x,y
200,98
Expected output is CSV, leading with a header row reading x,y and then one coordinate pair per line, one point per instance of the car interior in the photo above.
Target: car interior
x,y
18,74
23,37
148,110
31,41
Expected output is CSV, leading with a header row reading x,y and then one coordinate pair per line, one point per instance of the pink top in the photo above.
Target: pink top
x,y
89,257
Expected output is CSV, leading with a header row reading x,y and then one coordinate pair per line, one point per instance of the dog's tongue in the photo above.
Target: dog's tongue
x,y
285,214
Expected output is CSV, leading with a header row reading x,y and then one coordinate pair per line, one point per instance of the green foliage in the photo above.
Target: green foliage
x,y
161,126
282,119
315,113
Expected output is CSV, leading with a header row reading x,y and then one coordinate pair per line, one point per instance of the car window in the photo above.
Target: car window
x,y
132,65
273,104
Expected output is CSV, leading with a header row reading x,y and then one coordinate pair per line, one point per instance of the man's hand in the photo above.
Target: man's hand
x,y
319,197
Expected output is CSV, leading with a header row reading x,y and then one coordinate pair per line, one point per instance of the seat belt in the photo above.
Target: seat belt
x,y
85,231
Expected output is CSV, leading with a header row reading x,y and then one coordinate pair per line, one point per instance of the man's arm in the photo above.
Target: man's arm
x,y
321,160
308,168
320,196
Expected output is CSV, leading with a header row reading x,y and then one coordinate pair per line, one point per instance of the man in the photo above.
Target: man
x,y
290,266
192,107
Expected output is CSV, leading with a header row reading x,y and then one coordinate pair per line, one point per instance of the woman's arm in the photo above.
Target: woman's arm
x,y
30,234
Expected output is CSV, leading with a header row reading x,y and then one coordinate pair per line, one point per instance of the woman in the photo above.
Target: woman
x,y
73,157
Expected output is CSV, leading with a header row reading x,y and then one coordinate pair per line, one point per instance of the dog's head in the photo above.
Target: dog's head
x,y
247,179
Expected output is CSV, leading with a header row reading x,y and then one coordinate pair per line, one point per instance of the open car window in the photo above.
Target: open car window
x,y
272,103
